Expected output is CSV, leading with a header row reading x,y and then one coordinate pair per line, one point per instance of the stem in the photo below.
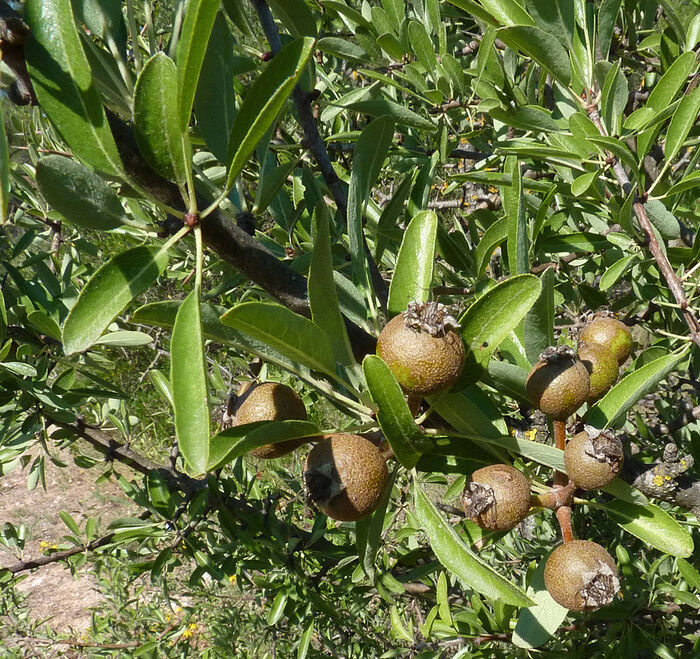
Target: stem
x,y
560,442
200,259
134,35
564,518
175,238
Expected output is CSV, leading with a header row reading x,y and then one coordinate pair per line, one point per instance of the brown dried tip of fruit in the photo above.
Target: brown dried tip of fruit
x,y
497,497
602,368
593,458
345,477
423,348
272,401
558,383
581,576
611,333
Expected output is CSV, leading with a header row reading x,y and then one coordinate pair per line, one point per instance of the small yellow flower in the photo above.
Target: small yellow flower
x,y
232,578
668,478
354,75
658,480
531,434
190,631
683,464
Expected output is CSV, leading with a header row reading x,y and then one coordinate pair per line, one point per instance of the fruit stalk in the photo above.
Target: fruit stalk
x,y
563,513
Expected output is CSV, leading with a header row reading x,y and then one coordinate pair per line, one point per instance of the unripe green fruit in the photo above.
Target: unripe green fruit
x,y
497,497
345,476
558,383
610,333
272,401
593,458
423,349
602,368
581,576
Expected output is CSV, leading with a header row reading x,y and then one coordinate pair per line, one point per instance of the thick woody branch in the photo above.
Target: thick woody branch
x,y
674,283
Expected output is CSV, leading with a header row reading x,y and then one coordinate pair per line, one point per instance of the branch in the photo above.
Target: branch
x,y
13,32
674,283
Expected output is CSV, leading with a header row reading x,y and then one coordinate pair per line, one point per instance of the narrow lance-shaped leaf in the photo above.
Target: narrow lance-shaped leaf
x,y
390,213
652,525
370,152
296,337
78,194
454,555
539,322
614,405
491,319
513,202
108,292
539,45
64,86
681,123
263,101
161,141
239,440
188,380
323,298
4,171
194,37
413,275
394,417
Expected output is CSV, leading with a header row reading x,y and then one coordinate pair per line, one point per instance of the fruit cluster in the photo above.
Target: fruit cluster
x,y
345,475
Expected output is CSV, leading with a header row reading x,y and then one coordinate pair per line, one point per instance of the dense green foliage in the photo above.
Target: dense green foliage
x,y
184,211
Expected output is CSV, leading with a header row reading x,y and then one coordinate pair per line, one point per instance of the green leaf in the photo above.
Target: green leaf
x,y
538,624
161,141
613,273
494,316
161,383
422,46
663,94
78,194
276,612
617,148
687,183
581,183
239,440
454,555
652,525
513,202
607,15
527,117
394,417
539,45
689,573
194,37
263,102
473,9
294,336
296,17
390,214
188,381
492,238
413,275
343,49
108,292
270,183
612,408
382,108
538,329
19,368
507,12
370,151
124,338
470,411
159,494
664,221
4,171
104,19
63,84
682,121
305,641
215,100
614,98
323,298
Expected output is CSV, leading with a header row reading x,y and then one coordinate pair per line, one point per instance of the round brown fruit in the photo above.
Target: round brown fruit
x,y
558,383
423,349
272,401
602,368
611,333
593,458
497,497
345,477
581,576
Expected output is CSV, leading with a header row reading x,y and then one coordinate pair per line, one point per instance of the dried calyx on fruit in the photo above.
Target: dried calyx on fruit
x,y
581,576
345,477
271,401
602,368
593,458
497,497
423,348
558,383
609,332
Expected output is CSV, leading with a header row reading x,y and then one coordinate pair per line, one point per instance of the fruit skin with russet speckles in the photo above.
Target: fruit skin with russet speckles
x,y
602,368
558,383
581,576
497,497
423,349
272,401
611,333
593,458
345,477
